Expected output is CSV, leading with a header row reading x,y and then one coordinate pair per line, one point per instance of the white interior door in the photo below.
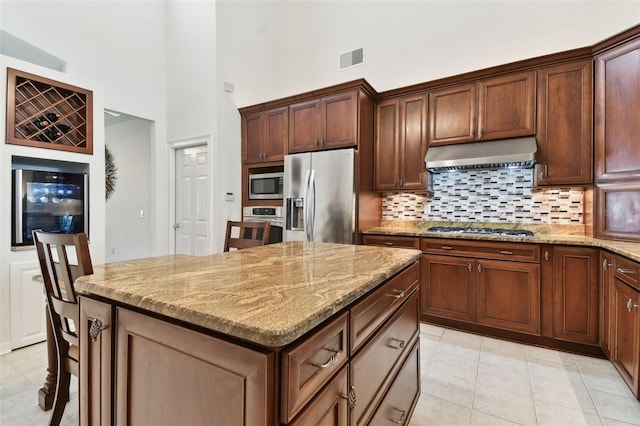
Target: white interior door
x,y
192,201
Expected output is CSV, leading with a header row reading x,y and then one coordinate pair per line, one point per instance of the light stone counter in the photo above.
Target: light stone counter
x,y
544,234
267,295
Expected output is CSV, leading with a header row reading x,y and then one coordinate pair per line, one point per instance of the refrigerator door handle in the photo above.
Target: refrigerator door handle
x,y
312,213
305,205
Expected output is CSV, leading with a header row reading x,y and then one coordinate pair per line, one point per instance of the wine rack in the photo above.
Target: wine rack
x,y
44,113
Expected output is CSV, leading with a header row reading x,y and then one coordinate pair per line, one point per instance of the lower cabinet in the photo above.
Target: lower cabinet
x,y
605,289
28,305
139,369
449,287
624,321
574,294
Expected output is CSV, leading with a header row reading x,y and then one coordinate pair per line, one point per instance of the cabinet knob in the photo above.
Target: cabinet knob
x,y
403,416
401,182
546,255
605,264
96,328
469,267
479,267
631,305
350,397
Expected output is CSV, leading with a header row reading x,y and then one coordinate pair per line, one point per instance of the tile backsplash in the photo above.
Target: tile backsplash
x,y
487,195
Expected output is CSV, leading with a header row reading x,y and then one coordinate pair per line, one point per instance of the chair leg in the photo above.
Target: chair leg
x,y
62,396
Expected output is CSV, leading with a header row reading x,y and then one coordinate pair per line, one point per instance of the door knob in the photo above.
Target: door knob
x,y
176,226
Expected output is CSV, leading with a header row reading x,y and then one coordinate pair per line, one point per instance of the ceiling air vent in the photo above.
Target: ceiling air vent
x,y
351,59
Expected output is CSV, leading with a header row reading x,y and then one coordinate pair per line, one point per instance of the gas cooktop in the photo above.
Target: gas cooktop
x,y
482,231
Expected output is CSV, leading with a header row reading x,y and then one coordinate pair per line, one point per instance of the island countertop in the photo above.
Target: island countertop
x,y
268,295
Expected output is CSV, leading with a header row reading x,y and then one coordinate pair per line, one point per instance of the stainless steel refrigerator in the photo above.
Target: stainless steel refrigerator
x,y
320,196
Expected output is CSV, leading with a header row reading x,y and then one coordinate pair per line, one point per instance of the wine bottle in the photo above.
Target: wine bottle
x,y
52,117
64,128
52,133
41,122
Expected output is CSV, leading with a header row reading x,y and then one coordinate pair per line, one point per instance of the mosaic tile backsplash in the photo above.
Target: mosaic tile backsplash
x,y
487,195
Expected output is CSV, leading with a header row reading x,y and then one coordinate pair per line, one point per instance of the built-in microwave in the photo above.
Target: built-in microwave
x,y
266,186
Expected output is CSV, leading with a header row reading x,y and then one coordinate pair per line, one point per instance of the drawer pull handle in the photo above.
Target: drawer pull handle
x,y
479,267
447,248
546,255
402,418
505,252
625,271
398,294
631,305
605,264
396,343
351,398
96,328
469,267
388,243
332,359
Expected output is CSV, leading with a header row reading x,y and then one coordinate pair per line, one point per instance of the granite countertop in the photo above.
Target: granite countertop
x,y
268,295
544,234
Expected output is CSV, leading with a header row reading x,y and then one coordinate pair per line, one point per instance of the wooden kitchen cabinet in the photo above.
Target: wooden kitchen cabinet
x,y
564,124
625,333
391,241
617,108
330,407
575,294
492,108
486,283
265,135
325,123
618,210
400,144
448,287
148,386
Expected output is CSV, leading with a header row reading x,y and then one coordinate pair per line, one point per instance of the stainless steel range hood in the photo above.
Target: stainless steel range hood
x,y
517,152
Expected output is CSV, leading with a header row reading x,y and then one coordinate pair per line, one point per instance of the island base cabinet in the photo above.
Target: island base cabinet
x,y
625,333
169,375
398,404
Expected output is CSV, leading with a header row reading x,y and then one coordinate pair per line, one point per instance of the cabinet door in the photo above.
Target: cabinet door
x,y
386,144
28,305
575,294
453,114
330,407
508,295
276,122
339,115
625,333
506,106
413,143
617,105
252,137
448,287
391,241
565,146
157,362
606,284
618,210
304,126
95,362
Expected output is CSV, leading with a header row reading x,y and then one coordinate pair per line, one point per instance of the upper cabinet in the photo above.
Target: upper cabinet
x,y
492,108
400,144
617,113
565,146
44,113
325,123
265,135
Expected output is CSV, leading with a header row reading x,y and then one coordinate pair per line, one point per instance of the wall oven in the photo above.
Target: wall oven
x,y
266,186
273,215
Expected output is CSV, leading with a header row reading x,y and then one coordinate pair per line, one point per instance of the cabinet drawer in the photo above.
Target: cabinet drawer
x,y
398,403
329,407
628,271
370,313
391,241
375,366
482,249
311,364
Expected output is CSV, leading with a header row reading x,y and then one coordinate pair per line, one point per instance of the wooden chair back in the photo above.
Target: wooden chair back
x,y
59,275
250,234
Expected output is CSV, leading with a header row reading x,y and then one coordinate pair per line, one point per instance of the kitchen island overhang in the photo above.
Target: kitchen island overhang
x,y
278,299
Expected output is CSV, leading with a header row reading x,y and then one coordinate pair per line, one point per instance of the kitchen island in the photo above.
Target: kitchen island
x,y
290,333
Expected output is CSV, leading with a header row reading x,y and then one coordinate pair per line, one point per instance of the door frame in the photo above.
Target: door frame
x,y
186,143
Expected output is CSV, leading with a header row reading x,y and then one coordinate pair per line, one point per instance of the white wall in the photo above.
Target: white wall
x,y
128,235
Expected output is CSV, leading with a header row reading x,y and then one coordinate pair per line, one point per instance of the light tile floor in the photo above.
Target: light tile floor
x,y
466,380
